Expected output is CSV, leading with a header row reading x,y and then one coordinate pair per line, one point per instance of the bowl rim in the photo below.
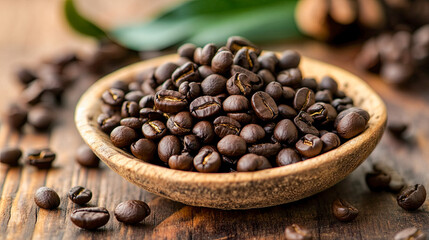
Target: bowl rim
x,y
114,155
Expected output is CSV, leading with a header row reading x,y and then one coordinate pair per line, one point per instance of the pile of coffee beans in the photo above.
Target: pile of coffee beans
x,y
228,109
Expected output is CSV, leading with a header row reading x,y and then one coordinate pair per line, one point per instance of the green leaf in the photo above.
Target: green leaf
x,y
203,21
79,23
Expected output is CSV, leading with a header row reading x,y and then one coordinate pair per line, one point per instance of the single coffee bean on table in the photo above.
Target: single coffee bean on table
x,y
132,211
229,108
40,158
295,232
46,198
412,197
80,195
10,156
90,218
343,210
86,157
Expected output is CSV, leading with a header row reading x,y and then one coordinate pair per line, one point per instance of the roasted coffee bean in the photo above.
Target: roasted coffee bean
x,y
396,181
144,149
252,162
16,116
133,122
191,143
207,54
264,106
322,113
180,124
309,145
187,72
113,97
236,103
242,118
90,218
207,160
108,123
239,84
134,86
187,50
25,76
252,133
164,71
34,92
181,162
151,114
167,85
290,78
396,73
351,125
412,197
265,149
255,81
110,110
411,233
266,76
134,96
377,181
205,131
132,211
289,59
154,129
287,156
147,101
232,146
40,158
247,59
130,109
213,85
170,101
330,141
41,118
342,114
123,136
323,96
225,126
236,43
343,210
288,93
310,83
121,85
205,71
286,132
205,106
304,98
168,146
341,104
222,61
296,232
268,62
269,128
86,157
10,156
397,129
286,111
80,195
275,90
304,122
328,83
191,90
46,198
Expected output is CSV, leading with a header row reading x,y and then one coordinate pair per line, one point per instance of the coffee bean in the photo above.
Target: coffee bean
x,y
286,111
86,157
289,59
322,113
288,93
310,83
351,125
330,141
46,198
151,114
396,181
80,195
377,181
25,75
397,129
290,78
242,118
108,123
412,197
40,158
207,54
16,116
181,162
287,156
144,149
123,136
304,122
232,146
341,104
134,87
133,122
266,76
213,85
286,132
164,72
170,101
309,145
130,109
275,90
296,232
247,59
90,218
113,97
187,50
168,146
10,156
236,103
304,98
252,162
239,84
205,131
154,129
40,118
205,71
269,128
191,90
33,93
252,133
255,81
343,210
268,62
396,73
185,73
121,85
328,83
207,160
323,96
222,61
132,211
264,106
180,124
225,126
265,149
147,101
236,43
411,233
205,106
191,143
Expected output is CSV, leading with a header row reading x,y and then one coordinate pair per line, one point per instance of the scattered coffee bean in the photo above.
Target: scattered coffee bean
x,y
40,158
377,181
86,157
10,156
132,211
344,211
46,198
90,218
397,129
412,197
411,233
80,195
297,232
40,118
396,181
16,116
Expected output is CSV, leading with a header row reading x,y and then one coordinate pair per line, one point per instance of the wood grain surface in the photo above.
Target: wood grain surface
x,y
32,30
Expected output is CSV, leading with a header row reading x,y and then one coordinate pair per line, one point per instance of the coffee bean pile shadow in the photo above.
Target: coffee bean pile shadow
x,y
228,109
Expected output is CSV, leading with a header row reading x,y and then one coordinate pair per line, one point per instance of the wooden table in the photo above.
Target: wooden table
x,y
30,30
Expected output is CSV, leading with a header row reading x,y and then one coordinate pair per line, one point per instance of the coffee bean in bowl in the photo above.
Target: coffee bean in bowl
x,y
217,126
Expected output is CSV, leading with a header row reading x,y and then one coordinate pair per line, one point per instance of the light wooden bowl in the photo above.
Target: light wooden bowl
x,y
242,190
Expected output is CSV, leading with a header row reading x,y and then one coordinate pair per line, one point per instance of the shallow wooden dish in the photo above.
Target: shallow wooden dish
x,y
238,190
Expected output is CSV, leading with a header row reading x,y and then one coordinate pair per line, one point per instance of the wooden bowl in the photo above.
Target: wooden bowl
x,y
240,190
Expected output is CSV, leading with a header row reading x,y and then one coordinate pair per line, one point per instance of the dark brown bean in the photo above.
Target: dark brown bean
x,y
205,106
10,156
144,149
343,210
207,160
79,195
170,101
286,132
309,145
132,211
40,158
90,218
123,136
46,198
287,156
187,72
232,146
86,157
205,131
252,162
181,162
168,146
412,197
264,106
252,133
225,126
